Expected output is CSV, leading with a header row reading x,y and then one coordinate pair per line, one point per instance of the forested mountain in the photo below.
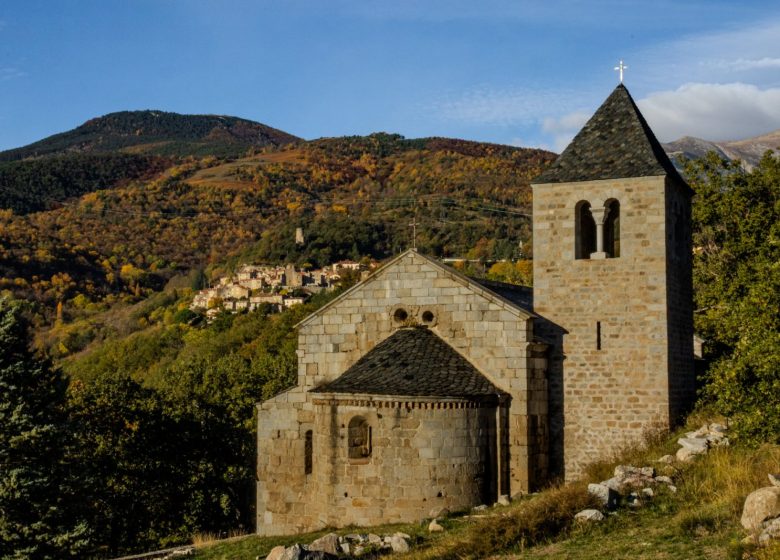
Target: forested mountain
x,y
159,133
352,196
42,184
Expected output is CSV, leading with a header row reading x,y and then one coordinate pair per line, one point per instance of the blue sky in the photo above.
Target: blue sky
x,y
514,72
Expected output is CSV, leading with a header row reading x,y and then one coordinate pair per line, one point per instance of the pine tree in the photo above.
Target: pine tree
x,y
33,523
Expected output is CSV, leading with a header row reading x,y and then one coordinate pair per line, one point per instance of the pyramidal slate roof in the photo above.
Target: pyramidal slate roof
x,y
615,143
413,362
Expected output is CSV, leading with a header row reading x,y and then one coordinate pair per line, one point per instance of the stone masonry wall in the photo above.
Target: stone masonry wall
x,y
493,335
424,456
282,494
601,399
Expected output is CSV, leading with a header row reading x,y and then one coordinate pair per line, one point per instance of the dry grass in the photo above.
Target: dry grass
x,y
718,484
206,539
534,520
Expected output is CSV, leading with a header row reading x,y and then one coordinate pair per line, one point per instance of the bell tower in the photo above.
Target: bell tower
x,y
613,285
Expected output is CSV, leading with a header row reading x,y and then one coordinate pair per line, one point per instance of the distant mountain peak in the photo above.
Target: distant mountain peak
x,y
748,150
152,131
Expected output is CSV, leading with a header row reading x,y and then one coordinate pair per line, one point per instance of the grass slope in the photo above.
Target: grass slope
x,y
699,521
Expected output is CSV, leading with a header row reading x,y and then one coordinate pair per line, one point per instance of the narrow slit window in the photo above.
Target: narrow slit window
x,y
598,335
308,452
612,229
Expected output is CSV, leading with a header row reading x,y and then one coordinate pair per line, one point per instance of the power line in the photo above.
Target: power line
x,y
406,201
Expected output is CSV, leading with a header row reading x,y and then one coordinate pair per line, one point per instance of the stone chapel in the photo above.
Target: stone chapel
x,y
420,388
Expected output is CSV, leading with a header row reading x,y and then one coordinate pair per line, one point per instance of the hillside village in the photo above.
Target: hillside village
x,y
280,287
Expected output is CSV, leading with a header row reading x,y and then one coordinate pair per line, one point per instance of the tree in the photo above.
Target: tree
x,y
520,272
134,476
736,217
33,491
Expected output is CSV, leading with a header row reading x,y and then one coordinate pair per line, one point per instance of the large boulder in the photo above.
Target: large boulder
x,y
694,444
503,500
606,495
276,553
294,552
761,505
613,483
685,455
588,515
328,543
301,552
625,471
399,544
774,479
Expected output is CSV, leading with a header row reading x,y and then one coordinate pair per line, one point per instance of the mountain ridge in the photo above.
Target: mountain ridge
x,y
748,150
154,132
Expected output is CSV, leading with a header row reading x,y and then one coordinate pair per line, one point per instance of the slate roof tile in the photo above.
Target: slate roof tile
x,y
413,362
615,143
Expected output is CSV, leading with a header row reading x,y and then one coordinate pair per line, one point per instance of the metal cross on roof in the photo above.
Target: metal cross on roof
x,y
620,67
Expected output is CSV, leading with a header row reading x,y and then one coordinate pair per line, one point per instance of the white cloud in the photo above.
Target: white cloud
x,y
716,85
749,53
572,121
564,128
712,111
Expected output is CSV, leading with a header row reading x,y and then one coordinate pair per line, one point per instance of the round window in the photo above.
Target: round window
x,y
400,315
427,316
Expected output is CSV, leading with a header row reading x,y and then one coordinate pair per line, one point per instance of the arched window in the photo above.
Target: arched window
x,y
308,451
584,231
612,229
359,438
